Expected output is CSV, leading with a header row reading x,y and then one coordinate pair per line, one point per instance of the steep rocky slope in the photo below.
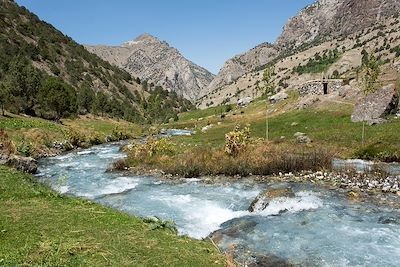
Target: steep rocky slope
x,y
151,59
328,19
344,26
242,64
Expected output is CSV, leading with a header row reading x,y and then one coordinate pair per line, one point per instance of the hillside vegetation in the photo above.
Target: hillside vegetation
x,y
47,74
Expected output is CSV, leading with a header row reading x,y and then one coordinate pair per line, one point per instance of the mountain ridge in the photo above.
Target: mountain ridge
x,y
313,24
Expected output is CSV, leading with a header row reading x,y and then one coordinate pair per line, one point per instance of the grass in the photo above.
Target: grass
x,y
39,227
35,136
329,126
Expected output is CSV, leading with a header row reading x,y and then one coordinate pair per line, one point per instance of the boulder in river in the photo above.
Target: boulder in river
x,y
376,106
269,261
233,229
261,202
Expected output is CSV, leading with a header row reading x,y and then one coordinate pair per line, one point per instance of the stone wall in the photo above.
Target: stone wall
x,y
317,87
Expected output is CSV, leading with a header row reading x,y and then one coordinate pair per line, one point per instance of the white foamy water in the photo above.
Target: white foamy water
x,y
200,217
303,201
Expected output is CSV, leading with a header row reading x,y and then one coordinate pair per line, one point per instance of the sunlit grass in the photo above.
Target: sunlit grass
x,y
39,227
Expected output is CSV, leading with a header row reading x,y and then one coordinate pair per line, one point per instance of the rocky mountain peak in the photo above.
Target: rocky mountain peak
x,y
143,38
154,60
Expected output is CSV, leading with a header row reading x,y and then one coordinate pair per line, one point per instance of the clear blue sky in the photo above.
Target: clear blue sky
x,y
208,32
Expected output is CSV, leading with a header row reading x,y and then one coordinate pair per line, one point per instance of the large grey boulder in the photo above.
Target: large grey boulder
x,y
25,164
278,97
376,106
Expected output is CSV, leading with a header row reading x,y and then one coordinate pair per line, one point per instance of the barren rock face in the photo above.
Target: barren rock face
x,y
334,18
148,58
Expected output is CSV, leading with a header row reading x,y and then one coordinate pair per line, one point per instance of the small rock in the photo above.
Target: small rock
x,y
353,195
303,139
299,134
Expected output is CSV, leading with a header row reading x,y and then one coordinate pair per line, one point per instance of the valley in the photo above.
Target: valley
x,y
133,155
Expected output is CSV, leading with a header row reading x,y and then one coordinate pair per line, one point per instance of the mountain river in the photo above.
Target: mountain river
x,y
318,227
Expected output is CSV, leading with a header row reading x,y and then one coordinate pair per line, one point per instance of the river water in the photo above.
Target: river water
x,y
318,227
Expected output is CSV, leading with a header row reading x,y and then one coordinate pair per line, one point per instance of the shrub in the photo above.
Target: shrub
x,y
145,153
6,145
236,141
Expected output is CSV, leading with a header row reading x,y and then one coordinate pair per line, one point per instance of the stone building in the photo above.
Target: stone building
x,y
321,87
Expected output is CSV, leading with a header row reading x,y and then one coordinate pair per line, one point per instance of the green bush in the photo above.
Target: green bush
x,y
236,141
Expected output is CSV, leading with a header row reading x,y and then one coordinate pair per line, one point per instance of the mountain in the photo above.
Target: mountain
x,y
327,19
33,51
150,59
242,64
325,26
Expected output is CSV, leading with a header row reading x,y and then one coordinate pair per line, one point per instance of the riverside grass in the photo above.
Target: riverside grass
x,y
328,125
39,227
254,158
34,136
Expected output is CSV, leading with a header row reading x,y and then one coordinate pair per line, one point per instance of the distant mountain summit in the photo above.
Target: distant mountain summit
x,y
154,60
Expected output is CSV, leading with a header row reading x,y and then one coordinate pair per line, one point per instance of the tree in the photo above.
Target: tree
x,y
370,74
56,96
86,97
269,87
268,75
4,97
101,103
23,82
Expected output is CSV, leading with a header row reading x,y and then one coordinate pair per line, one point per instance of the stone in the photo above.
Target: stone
x,y
302,138
353,195
278,97
25,164
299,134
269,261
376,106
306,102
243,102
261,202
206,128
